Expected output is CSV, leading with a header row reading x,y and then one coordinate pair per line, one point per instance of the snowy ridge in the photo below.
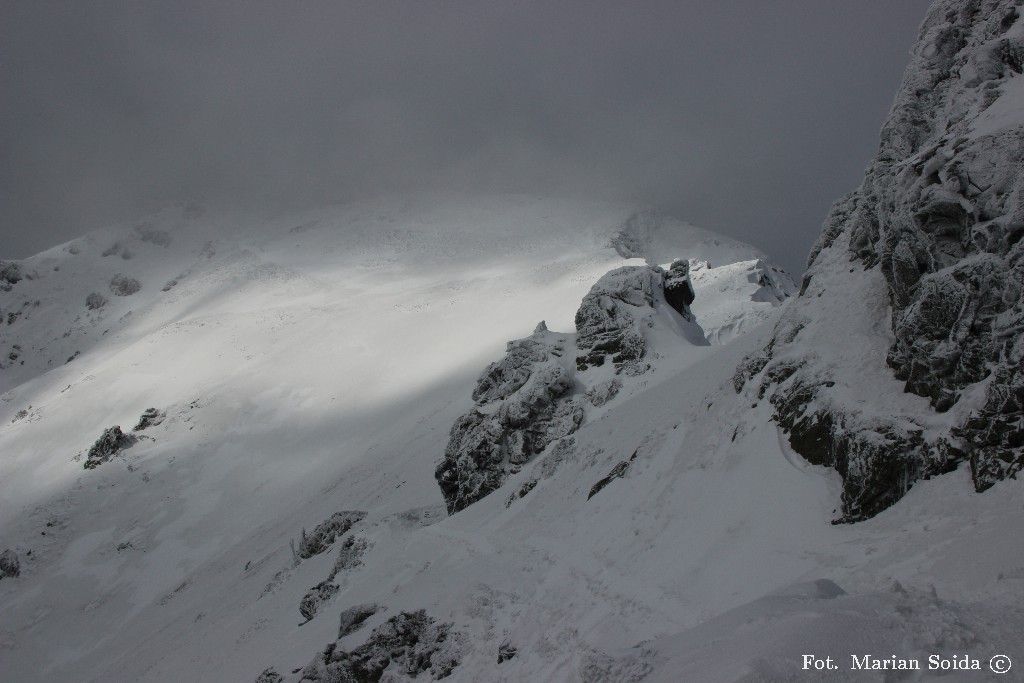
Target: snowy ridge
x,y
305,365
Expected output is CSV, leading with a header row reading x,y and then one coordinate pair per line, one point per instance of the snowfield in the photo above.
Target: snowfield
x,y
314,364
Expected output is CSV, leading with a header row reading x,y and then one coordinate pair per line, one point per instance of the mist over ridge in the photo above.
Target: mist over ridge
x,y
745,120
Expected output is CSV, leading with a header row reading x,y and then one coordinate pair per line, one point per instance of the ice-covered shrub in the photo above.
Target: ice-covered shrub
x,y
95,300
10,274
122,285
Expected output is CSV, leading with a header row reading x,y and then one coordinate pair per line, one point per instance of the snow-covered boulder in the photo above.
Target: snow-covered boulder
x,y
315,597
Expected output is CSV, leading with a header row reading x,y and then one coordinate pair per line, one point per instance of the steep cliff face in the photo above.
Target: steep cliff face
x,y
922,268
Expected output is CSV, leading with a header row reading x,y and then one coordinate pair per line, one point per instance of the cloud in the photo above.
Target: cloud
x,y
746,117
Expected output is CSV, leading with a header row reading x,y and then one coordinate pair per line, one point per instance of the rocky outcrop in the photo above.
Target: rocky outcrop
x,y
405,646
151,417
350,556
353,618
315,597
524,402
325,533
939,219
10,566
678,289
617,472
608,320
534,396
110,443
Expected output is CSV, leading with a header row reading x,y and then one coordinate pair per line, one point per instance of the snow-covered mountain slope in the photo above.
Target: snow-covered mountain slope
x,y
298,367
901,358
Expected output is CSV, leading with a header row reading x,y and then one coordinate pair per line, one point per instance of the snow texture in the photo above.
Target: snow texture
x,y
315,363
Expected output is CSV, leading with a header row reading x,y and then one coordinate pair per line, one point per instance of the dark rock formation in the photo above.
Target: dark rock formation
x,y
326,532
110,443
617,471
150,417
410,643
678,289
315,597
9,564
506,651
939,218
353,618
527,396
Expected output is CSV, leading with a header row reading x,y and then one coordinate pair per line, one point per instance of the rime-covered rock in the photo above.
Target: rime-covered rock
x,y
9,564
532,397
325,533
353,618
151,417
406,645
602,392
350,556
269,675
937,223
110,443
608,319
528,403
315,597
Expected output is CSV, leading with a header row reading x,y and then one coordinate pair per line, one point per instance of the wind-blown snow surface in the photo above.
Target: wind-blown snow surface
x,y
314,365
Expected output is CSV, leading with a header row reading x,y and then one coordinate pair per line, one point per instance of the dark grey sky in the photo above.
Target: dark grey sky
x,y
748,117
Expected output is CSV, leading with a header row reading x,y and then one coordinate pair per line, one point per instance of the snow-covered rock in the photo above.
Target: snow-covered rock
x,y
534,396
111,442
407,644
926,256
524,403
